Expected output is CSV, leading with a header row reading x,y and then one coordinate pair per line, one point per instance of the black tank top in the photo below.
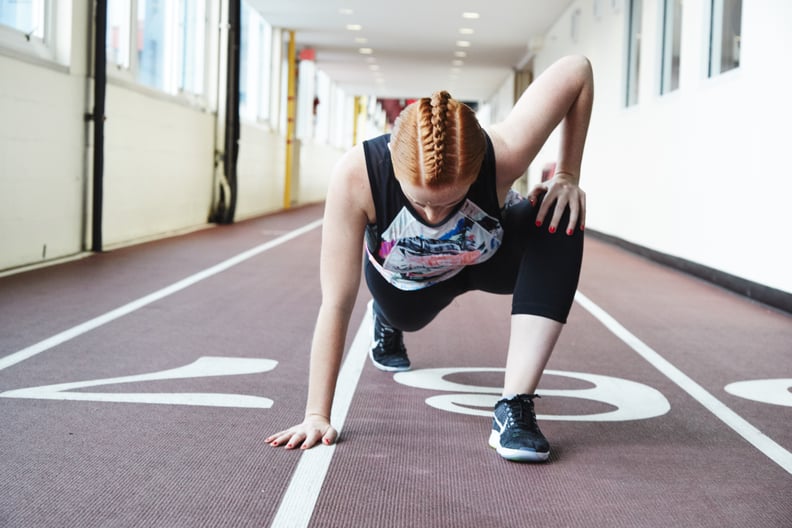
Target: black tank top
x,y
411,254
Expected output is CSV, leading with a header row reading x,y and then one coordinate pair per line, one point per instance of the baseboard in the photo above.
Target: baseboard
x,y
758,292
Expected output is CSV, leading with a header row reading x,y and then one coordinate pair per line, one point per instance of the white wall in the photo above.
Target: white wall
x,y
42,149
700,173
158,165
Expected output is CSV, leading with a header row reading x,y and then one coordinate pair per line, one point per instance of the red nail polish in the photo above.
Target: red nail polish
x,y
552,229
538,223
570,231
581,227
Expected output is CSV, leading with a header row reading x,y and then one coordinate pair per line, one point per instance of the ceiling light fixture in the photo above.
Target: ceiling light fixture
x,y
457,62
354,27
466,31
463,43
361,40
366,51
346,11
460,54
470,15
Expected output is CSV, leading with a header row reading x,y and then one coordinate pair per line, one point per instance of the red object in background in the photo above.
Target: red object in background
x,y
308,54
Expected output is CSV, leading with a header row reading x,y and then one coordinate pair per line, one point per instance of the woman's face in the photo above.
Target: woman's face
x,y
434,205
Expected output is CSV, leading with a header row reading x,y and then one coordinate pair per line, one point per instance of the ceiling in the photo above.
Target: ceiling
x,y
412,43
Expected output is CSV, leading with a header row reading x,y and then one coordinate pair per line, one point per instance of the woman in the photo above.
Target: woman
x,y
434,204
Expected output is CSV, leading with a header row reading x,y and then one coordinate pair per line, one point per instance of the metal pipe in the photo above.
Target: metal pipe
x,y
98,118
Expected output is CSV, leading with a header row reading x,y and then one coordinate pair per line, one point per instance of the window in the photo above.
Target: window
x,y
162,46
672,43
635,13
26,26
255,59
725,30
118,32
26,16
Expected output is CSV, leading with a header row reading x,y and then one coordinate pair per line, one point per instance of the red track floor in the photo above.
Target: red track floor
x,y
647,402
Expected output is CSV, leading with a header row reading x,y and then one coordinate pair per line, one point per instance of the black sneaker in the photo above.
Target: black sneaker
x,y
387,348
515,434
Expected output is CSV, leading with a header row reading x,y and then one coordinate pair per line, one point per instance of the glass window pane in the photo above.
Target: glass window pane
x,y
192,28
634,50
730,34
26,16
265,70
119,14
244,51
151,42
725,35
672,45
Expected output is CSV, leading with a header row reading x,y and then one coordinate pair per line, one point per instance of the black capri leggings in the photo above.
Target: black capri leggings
x,y
539,269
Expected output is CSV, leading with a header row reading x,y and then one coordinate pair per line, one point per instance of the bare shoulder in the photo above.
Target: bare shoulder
x,y
349,188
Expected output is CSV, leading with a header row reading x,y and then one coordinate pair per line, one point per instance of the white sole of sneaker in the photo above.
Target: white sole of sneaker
x,y
385,368
515,455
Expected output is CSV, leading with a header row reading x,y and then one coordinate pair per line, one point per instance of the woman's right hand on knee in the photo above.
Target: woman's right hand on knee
x,y
313,430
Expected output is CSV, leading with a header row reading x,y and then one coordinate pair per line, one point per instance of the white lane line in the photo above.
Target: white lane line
x,y
762,442
298,503
96,322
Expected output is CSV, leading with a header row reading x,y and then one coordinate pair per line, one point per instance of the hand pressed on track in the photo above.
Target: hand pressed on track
x,y
314,429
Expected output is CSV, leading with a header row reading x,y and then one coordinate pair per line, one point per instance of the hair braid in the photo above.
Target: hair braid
x,y
437,141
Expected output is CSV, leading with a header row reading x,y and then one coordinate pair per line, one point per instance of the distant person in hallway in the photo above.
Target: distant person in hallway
x,y
434,204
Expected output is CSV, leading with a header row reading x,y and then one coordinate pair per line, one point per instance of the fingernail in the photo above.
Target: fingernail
x,y
570,231
581,227
538,223
288,446
552,229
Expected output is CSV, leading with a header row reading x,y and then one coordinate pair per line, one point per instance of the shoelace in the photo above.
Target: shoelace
x,y
521,413
390,338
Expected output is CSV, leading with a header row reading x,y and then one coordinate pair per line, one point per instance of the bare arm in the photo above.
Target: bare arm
x,y
347,211
563,94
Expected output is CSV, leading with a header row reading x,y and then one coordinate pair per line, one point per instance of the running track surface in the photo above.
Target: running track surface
x,y
137,386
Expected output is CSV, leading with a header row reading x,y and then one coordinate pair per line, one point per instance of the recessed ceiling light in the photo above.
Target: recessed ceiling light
x,y
361,40
463,44
346,11
354,27
457,62
466,31
470,15
366,51
460,54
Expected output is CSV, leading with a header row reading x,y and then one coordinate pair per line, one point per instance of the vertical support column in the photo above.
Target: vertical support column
x,y
291,108
355,119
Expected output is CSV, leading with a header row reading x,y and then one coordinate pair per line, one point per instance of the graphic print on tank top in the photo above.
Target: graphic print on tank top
x,y
415,255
